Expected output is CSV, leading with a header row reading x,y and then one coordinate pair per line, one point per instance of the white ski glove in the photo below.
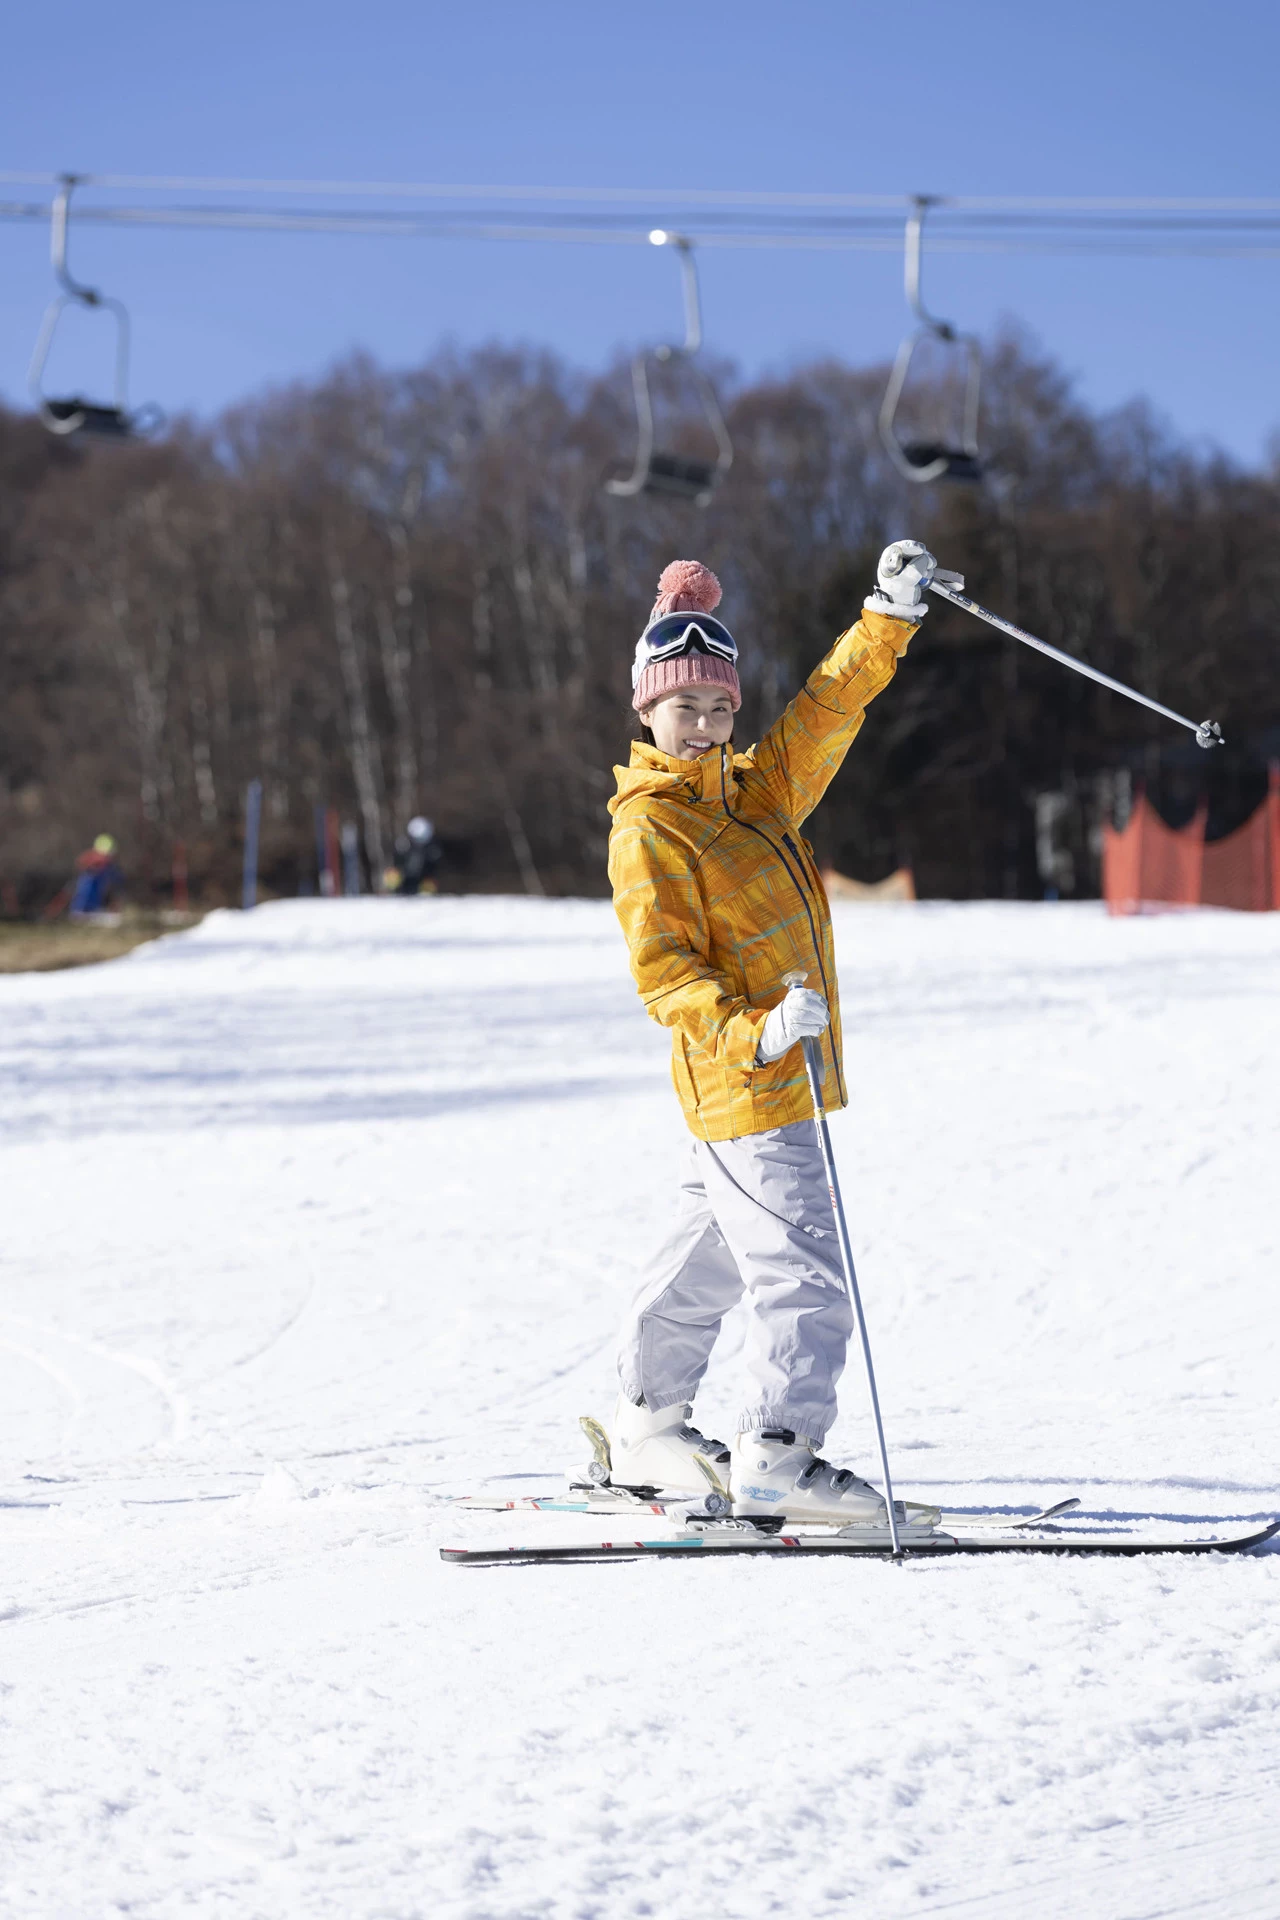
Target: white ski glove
x,y
905,570
802,1015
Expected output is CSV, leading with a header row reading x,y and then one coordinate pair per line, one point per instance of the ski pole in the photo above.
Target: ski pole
x,y
1207,732
813,1067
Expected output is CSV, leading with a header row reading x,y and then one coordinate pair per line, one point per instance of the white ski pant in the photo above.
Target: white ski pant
x,y
754,1216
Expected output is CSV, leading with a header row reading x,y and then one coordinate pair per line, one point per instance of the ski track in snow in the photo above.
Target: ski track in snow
x,y
317,1217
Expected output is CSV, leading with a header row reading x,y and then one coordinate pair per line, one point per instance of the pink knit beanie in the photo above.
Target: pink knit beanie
x,y
686,586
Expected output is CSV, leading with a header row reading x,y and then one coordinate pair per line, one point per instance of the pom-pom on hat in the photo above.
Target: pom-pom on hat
x,y
685,586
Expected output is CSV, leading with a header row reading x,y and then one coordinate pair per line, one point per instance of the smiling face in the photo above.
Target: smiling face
x,y
688,723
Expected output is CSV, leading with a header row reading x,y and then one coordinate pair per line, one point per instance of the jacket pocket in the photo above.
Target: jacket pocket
x,y
685,1084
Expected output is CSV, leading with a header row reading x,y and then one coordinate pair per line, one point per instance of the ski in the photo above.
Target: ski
x,y
1009,1522
725,1538
577,1500
595,1492
624,1500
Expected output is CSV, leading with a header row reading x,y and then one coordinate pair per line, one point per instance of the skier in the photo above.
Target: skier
x,y
719,898
98,879
418,855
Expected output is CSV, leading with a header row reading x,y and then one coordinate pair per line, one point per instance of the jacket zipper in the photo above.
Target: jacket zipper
x,y
804,901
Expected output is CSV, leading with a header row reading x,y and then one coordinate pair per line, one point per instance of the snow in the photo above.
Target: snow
x,y
317,1217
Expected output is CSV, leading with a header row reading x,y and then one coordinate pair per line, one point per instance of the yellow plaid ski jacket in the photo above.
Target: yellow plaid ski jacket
x,y
719,895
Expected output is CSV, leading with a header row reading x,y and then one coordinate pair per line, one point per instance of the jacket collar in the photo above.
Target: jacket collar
x,y
703,781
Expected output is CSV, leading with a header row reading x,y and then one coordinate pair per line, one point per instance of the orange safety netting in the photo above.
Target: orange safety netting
x,y
900,886
1147,864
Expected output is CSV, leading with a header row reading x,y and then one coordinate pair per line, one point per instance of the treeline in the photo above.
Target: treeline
x,y
400,593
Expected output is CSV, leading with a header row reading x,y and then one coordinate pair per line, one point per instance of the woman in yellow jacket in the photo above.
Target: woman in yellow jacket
x,y
719,899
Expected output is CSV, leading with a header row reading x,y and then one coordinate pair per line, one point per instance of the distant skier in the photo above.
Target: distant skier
x,y
418,856
719,898
98,879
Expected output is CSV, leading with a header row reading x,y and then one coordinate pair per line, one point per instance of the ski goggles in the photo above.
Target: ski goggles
x,y
672,634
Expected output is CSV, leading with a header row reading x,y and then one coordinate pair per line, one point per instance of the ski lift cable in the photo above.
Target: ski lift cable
x,y
866,232
1021,204
439,190
784,217
388,223
1018,208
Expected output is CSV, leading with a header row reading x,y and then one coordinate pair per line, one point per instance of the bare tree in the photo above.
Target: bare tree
x,y
393,593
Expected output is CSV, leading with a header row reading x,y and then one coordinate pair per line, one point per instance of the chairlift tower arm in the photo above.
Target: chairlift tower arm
x,y
912,264
59,227
660,237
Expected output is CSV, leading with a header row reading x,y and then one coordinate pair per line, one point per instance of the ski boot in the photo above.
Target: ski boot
x,y
659,1450
775,1476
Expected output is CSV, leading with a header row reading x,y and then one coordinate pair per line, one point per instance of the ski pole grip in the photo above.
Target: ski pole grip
x,y
808,1047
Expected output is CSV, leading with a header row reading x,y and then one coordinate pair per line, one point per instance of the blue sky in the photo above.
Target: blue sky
x,y
981,97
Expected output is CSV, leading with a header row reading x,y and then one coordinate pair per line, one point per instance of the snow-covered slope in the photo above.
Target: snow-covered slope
x,y
316,1217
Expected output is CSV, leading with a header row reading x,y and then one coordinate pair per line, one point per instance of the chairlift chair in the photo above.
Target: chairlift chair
x,y
677,476
944,456
88,419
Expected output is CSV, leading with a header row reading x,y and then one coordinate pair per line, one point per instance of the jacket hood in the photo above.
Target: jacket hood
x,y
658,775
